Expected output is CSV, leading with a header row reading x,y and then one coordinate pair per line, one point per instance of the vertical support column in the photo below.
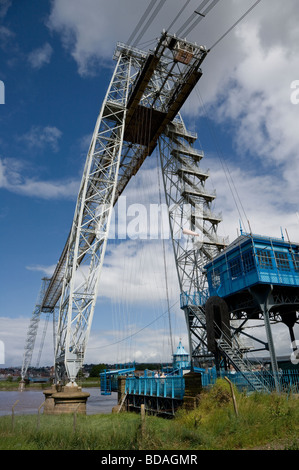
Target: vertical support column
x,y
262,294
271,347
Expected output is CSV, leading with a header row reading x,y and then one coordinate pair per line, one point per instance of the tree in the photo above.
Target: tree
x,y
97,369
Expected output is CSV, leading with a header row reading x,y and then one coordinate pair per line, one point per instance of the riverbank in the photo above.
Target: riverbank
x,y
261,422
29,401
8,385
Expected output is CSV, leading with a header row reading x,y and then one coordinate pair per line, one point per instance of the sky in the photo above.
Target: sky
x,y
56,62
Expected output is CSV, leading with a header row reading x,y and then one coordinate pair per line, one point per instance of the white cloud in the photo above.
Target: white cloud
x,y
90,30
13,333
136,267
47,270
12,179
151,344
256,197
40,138
40,56
105,345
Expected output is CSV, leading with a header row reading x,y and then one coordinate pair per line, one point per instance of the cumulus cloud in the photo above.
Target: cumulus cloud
x,y
12,334
40,56
39,137
13,179
90,30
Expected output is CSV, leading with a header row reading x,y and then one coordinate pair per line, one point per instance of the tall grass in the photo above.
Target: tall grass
x,y
263,421
97,432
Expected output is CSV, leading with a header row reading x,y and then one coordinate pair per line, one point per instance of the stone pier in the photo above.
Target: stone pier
x,y
193,387
65,400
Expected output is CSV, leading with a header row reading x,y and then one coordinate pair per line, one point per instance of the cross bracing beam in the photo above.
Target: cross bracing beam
x,y
141,106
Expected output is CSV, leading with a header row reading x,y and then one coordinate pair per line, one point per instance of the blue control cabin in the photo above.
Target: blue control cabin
x,y
255,273
252,260
255,278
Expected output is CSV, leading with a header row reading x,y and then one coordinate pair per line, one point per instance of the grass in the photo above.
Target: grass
x,y
263,422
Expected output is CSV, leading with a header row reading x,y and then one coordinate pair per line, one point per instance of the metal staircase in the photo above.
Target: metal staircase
x,y
231,351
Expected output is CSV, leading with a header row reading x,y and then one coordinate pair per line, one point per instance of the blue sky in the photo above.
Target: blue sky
x,y
56,63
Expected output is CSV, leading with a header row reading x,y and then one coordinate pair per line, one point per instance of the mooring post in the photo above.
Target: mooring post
x,y
142,420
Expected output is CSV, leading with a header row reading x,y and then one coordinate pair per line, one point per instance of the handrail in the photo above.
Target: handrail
x,y
167,387
248,366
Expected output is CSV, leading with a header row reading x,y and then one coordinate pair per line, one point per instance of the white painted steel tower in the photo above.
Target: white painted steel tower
x,y
139,112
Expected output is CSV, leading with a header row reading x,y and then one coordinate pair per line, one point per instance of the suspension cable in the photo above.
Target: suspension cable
x,y
164,257
179,14
227,173
201,15
235,24
190,18
136,332
149,22
143,17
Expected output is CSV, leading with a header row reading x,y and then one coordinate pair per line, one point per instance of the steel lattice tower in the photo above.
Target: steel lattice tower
x,y
140,109
190,213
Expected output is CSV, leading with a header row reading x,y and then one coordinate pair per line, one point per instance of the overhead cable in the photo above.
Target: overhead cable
x,y
192,16
201,16
136,332
178,15
227,173
236,23
149,22
142,19
164,258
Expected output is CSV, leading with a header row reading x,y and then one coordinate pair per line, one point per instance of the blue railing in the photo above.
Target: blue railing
x,y
109,379
167,387
196,298
287,379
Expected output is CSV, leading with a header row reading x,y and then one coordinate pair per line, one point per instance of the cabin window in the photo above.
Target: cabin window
x,y
248,261
282,261
264,258
235,268
296,261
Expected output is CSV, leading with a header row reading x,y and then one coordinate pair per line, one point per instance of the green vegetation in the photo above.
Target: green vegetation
x,y
96,369
262,421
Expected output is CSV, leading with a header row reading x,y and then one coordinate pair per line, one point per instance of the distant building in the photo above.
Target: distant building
x,y
181,358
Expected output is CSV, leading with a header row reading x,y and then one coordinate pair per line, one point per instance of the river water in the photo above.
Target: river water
x,y
30,400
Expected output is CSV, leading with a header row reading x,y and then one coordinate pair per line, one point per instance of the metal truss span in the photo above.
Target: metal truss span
x,y
142,105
